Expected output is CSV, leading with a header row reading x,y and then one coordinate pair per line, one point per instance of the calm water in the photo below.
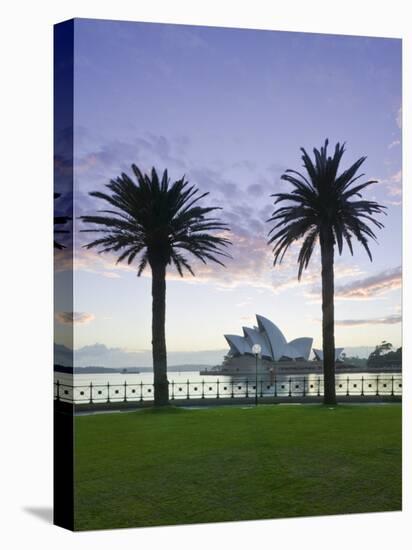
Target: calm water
x,y
137,387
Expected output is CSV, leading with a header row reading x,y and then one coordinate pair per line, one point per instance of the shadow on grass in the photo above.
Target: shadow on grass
x,y
169,409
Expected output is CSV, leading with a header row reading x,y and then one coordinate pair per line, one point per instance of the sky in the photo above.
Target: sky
x,y
230,109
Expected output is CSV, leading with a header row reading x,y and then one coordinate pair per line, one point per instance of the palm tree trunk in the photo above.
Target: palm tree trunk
x,y
161,384
328,317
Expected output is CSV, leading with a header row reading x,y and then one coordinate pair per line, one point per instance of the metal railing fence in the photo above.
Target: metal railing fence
x,y
282,387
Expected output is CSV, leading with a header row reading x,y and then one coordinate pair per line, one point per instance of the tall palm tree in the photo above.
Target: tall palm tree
x,y
326,207
156,223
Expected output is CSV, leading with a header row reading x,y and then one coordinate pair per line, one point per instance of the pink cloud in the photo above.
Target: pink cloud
x,y
388,320
74,317
376,285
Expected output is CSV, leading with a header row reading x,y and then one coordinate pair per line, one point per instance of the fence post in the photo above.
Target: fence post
x,y
232,394
187,389
318,386
347,386
290,387
141,390
173,389
362,394
247,388
125,391
108,392
91,392
203,389
304,386
261,388
274,381
392,387
217,389
58,391
377,385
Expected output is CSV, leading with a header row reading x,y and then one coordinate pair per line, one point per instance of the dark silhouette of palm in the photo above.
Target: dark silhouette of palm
x,y
59,220
326,207
157,224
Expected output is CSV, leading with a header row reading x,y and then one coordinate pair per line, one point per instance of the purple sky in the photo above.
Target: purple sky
x,y
230,108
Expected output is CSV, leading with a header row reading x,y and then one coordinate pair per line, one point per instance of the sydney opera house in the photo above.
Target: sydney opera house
x,y
275,349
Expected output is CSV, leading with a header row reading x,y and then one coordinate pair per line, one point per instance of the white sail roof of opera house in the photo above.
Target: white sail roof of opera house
x,y
273,343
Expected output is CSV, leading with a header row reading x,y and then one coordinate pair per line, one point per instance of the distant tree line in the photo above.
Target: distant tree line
x,y
385,354
354,360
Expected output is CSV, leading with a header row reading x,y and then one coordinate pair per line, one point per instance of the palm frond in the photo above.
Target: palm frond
x,y
153,220
60,220
321,199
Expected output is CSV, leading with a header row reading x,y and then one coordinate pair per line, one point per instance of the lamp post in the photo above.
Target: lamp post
x,y
256,349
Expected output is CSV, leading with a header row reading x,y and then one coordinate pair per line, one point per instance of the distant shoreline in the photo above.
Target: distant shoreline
x,y
124,370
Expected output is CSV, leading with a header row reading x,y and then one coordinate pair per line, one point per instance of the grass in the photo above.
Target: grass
x,y
222,464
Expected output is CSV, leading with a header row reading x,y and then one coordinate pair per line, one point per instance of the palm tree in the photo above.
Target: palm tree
x,y
60,220
326,207
157,223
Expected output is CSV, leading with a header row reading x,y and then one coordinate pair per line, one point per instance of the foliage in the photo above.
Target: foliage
x,y
382,348
356,361
384,354
154,221
320,200
60,220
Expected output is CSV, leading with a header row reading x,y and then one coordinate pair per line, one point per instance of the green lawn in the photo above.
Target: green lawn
x,y
233,463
